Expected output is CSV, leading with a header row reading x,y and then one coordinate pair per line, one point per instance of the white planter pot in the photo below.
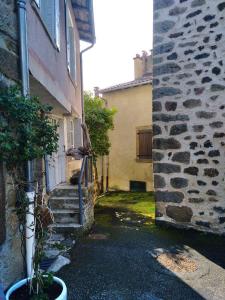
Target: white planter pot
x,y
62,296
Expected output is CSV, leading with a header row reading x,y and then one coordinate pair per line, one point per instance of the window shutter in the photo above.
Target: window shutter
x,y
78,137
48,14
67,38
57,24
70,133
145,144
72,52
71,47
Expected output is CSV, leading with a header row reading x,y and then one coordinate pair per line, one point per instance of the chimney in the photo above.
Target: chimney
x,y
149,64
96,91
143,65
138,67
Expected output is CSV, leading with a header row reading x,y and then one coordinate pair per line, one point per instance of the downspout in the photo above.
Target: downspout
x,y
82,79
24,65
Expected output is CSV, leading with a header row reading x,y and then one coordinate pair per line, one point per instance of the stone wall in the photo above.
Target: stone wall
x,y
189,113
89,202
11,262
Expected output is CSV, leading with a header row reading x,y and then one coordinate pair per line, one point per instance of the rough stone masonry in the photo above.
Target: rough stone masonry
x,y
189,113
11,260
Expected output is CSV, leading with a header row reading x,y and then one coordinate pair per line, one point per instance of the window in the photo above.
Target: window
x,y
71,49
137,186
50,14
144,144
70,133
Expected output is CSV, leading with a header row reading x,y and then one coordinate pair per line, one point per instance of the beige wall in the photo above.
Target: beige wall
x,y
134,109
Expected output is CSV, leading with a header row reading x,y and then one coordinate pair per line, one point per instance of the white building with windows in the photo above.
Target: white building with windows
x,y
55,29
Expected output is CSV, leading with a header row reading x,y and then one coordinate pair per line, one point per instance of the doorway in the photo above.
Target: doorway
x,y
57,162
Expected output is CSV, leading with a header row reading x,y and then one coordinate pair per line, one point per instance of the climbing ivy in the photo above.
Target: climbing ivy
x,y
26,133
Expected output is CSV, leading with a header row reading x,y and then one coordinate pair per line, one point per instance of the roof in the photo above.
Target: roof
x,y
84,15
130,84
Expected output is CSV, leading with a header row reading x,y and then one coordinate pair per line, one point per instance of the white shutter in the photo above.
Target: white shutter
x,y
78,140
72,52
57,24
48,14
74,55
67,38
71,46
70,133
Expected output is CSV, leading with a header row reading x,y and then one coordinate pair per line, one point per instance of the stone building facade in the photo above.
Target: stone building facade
x,y
10,240
189,113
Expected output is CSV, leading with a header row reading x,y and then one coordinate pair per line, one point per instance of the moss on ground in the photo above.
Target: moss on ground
x,y
143,204
140,203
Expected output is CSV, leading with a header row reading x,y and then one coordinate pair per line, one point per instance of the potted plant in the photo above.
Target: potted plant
x,y
27,134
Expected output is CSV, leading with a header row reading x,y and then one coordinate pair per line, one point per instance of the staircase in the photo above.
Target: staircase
x,y
73,210
64,203
73,205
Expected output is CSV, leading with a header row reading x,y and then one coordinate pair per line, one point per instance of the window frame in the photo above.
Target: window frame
x,y
54,38
57,24
70,63
138,130
71,134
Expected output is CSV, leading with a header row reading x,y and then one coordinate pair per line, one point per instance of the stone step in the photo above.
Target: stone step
x,y
66,228
67,191
70,192
65,211
64,203
55,238
65,216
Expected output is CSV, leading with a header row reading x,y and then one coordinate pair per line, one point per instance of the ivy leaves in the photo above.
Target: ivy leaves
x,y
26,132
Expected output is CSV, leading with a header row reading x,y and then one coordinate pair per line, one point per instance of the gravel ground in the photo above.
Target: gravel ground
x,y
119,260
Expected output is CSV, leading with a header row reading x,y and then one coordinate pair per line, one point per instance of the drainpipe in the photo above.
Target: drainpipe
x,y
82,83
30,221
82,79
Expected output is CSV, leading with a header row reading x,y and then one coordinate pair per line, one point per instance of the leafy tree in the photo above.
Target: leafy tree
x,y
99,120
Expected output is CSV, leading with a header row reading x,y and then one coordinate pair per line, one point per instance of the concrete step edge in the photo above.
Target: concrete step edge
x,y
71,225
65,211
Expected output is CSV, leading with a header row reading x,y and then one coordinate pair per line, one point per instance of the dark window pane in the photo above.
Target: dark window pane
x,y
137,186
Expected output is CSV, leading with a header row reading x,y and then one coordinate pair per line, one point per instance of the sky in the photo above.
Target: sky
x,y
123,29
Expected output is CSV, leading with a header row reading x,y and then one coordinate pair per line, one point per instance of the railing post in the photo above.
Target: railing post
x,y
86,171
80,202
91,160
80,191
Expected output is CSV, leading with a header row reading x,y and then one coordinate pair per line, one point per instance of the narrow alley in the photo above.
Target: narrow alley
x,y
126,256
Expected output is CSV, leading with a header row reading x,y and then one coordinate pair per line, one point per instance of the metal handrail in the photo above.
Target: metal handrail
x,y
84,171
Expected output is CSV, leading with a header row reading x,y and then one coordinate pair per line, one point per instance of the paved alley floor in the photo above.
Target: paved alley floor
x,y
127,257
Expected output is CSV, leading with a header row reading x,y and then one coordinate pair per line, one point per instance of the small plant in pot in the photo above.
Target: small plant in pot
x,y
27,134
